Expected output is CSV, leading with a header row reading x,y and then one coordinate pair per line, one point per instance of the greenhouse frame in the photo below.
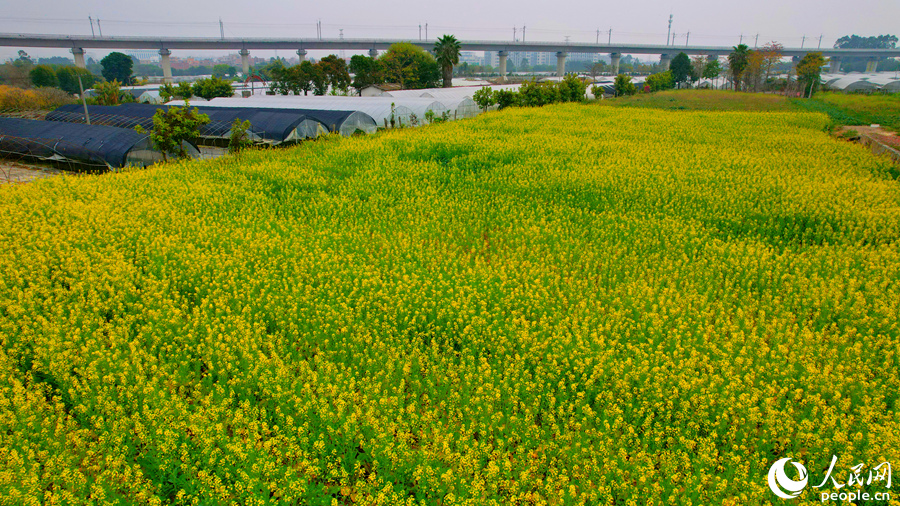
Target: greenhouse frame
x,y
96,146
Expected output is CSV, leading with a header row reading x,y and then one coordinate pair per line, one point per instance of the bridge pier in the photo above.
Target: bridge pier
x,y
834,64
78,53
301,53
664,61
561,63
614,59
166,65
795,60
871,65
373,53
245,62
503,56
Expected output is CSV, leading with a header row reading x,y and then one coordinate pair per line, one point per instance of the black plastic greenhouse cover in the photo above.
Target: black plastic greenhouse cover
x,y
275,125
88,144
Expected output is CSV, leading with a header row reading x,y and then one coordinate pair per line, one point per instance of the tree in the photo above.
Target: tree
x,y
737,62
712,70
771,55
68,79
24,58
366,72
597,68
285,80
212,87
16,73
305,73
317,79
42,76
485,98
223,70
858,64
698,65
335,71
446,52
753,72
239,139
681,68
108,93
624,86
117,67
410,66
809,71
175,126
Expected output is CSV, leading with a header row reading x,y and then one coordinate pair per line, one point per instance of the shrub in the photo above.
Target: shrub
x,y
624,86
212,87
43,76
485,98
507,98
38,99
68,79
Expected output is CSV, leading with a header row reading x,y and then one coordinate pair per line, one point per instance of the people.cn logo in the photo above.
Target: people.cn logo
x,y
781,485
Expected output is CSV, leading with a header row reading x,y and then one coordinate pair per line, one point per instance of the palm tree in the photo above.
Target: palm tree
x,y
446,51
738,61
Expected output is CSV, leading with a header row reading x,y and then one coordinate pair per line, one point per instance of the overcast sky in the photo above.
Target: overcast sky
x,y
644,21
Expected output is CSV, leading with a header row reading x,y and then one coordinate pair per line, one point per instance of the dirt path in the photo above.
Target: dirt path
x,y
879,140
12,172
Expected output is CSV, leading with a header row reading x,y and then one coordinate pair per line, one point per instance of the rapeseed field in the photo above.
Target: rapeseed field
x,y
567,305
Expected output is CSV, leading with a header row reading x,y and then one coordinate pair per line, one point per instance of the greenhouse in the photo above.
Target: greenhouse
x,y
269,126
852,83
461,108
94,146
343,122
150,97
405,111
886,83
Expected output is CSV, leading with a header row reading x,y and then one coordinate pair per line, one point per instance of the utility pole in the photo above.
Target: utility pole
x,y
523,33
820,41
92,27
426,31
610,35
87,117
99,29
221,29
420,31
801,43
756,42
669,33
687,40
514,34
598,35
742,39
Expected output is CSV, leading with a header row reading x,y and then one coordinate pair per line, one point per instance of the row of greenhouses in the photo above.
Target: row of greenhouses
x,y
860,82
106,137
387,112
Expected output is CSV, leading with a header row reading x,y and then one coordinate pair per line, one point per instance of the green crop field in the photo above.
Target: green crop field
x,y
575,304
841,108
